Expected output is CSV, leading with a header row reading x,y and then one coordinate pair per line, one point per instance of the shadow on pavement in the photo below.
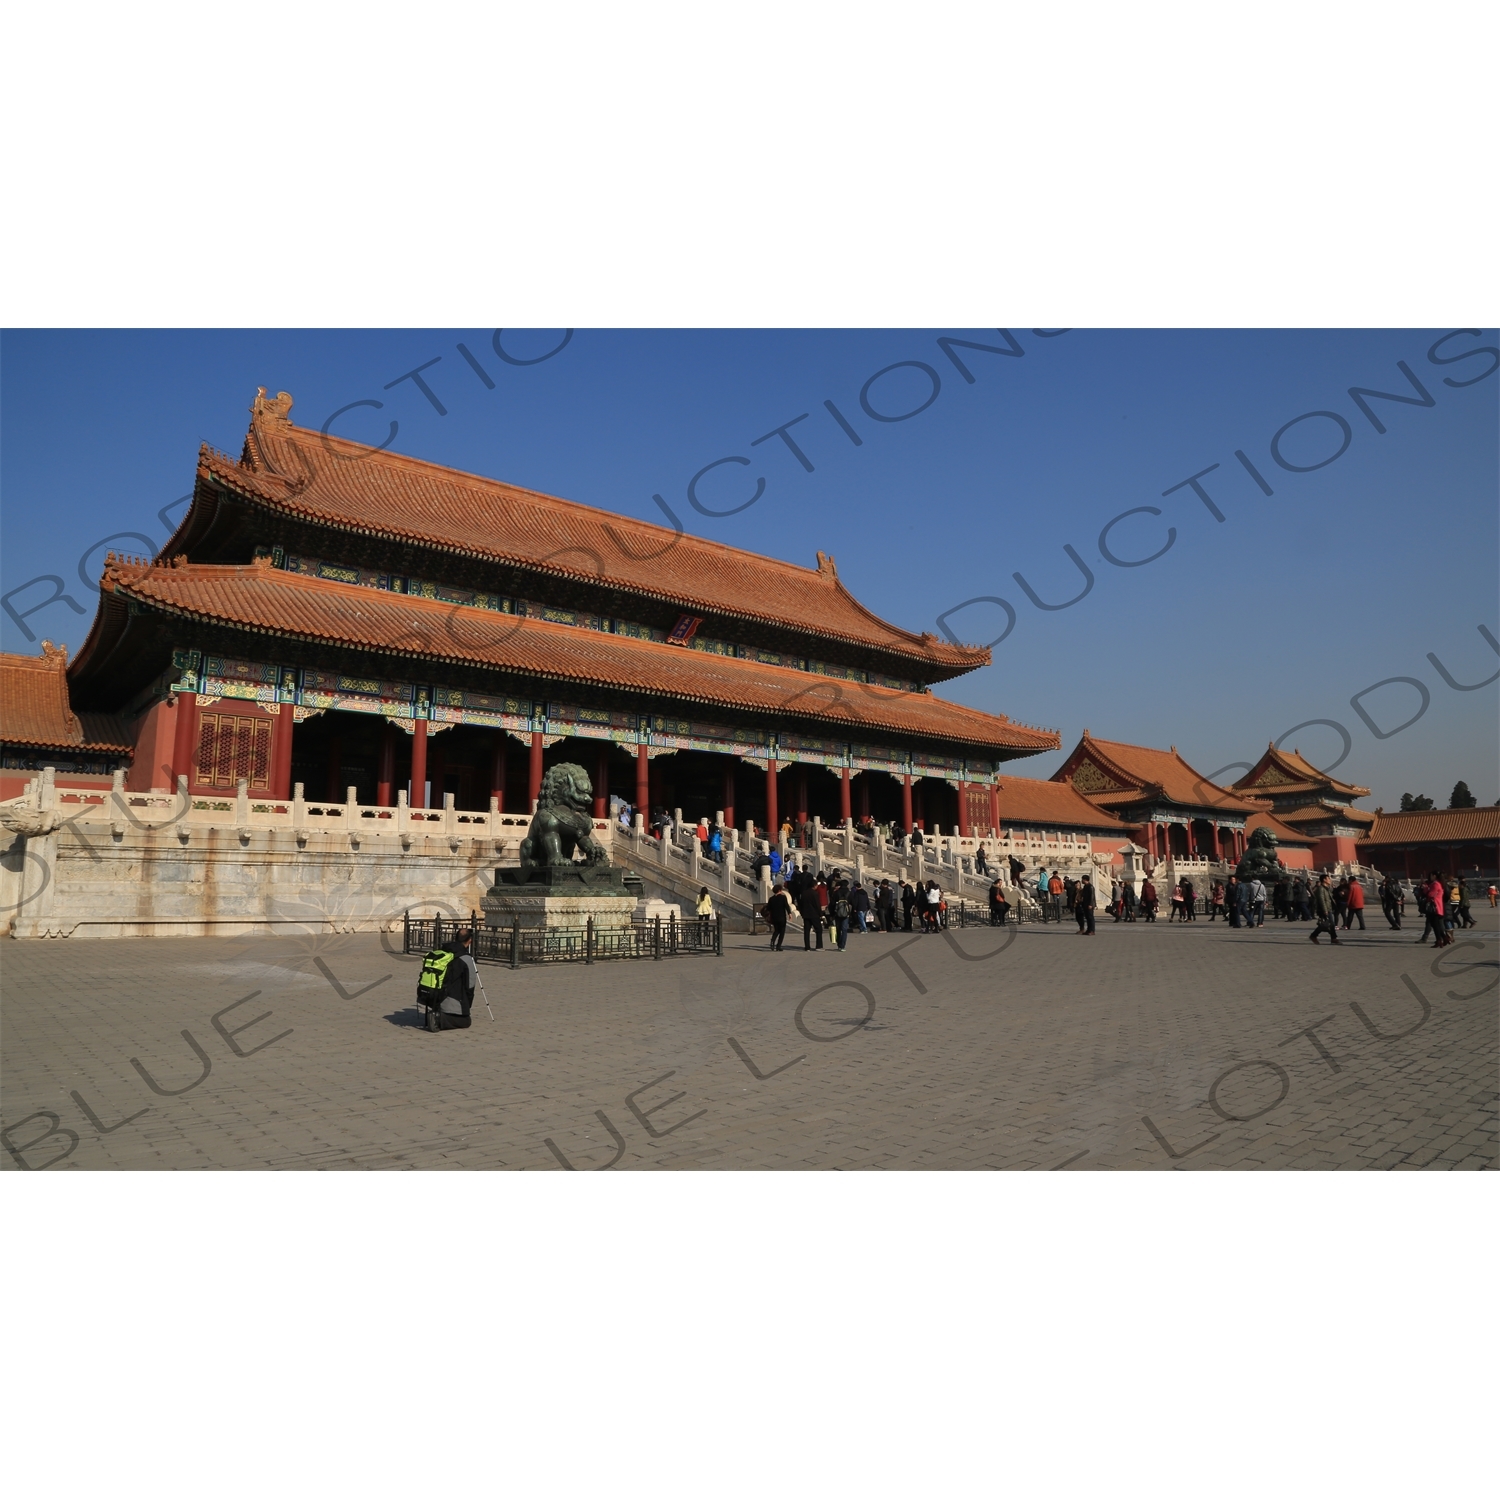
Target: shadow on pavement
x,y
411,1016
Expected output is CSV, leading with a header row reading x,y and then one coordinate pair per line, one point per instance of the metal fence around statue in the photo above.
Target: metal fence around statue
x,y
515,945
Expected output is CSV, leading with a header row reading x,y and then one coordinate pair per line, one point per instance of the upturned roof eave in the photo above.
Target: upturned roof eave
x,y
1321,780
994,748
943,660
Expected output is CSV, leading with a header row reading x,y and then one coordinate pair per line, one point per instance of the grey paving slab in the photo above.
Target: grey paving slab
x,y
1192,1048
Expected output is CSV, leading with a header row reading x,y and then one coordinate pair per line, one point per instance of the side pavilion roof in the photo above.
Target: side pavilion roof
x,y
1438,825
34,707
266,601
1115,775
1285,833
1279,772
1029,802
1328,812
350,487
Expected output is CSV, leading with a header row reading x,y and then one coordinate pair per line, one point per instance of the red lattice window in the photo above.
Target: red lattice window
x,y
232,748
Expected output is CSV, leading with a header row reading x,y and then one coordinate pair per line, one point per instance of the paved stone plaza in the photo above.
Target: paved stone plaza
x,y
1194,1047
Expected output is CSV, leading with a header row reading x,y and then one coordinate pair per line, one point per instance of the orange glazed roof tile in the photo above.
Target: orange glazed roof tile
x,y
1028,802
274,603
1289,772
1439,825
1325,812
1285,833
351,487
1125,774
34,707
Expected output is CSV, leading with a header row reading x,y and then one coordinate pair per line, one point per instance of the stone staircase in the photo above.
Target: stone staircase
x,y
674,865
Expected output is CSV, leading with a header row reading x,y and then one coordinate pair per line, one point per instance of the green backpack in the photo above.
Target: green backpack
x,y
434,981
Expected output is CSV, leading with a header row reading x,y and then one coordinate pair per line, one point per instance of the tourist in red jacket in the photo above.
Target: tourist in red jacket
x,y
1354,904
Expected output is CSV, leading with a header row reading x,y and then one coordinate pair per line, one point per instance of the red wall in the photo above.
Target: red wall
x,y
151,770
1331,850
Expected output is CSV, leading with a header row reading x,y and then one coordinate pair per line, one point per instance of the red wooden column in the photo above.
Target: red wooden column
x,y
643,783
844,810
418,764
281,751
185,741
601,781
534,771
385,770
801,794
906,803
773,818
728,794
963,809
994,810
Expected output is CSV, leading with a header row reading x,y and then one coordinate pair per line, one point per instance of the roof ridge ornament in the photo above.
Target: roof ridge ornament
x,y
827,568
271,408
55,656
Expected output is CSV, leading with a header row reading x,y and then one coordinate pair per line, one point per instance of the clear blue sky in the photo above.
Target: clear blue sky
x,y
1348,574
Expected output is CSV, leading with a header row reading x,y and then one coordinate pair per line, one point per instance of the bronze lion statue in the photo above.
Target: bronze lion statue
x,y
563,822
1261,861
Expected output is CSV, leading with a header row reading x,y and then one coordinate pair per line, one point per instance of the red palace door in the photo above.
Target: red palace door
x,y
977,806
233,747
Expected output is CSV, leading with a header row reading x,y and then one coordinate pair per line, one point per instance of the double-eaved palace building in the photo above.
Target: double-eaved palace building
x,y
337,617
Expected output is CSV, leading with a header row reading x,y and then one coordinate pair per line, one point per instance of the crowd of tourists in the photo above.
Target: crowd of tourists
x,y
838,904
1329,905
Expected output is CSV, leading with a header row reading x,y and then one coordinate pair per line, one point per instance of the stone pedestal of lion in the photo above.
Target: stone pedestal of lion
x,y
565,877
